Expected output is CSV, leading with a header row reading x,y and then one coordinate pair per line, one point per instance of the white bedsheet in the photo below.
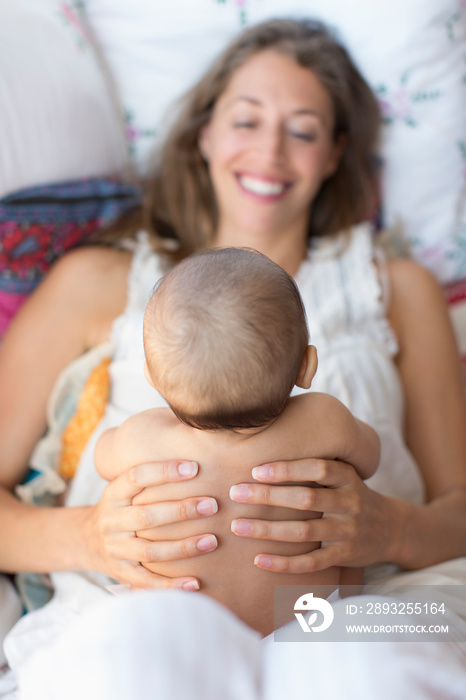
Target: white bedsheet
x,y
173,645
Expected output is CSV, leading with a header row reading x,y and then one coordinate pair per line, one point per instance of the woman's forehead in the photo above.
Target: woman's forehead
x,y
271,76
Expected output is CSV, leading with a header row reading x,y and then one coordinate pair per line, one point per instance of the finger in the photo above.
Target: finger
x,y
297,497
318,560
155,473
325,472
137,576
316,530
134,480
147,552
132,518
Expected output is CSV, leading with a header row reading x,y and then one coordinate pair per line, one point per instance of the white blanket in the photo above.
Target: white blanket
x,y
173,645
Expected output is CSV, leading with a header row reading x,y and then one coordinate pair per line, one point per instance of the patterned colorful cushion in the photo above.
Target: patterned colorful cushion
x,y
39,224
90,409
455,295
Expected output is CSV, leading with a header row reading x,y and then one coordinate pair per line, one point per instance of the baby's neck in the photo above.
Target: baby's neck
x,y
248,432
223,432
228,435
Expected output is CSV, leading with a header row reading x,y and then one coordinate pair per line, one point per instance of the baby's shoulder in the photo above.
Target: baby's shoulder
x,y
310,403
149,426
152,417
312,419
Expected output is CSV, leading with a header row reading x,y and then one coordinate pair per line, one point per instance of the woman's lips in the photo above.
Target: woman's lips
x,y
263,188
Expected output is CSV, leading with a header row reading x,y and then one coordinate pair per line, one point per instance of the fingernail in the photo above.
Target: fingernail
x,y
262,472
190,586
187,468
239,493
241,527
208,506
263,561
207,543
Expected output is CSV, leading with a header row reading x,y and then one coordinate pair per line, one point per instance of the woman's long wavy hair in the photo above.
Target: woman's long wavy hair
x,y
179,201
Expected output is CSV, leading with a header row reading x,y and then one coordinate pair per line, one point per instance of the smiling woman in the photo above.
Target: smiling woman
x,y
273,150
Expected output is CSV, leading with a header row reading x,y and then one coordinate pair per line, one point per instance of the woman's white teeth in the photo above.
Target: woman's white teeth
x,y
261,186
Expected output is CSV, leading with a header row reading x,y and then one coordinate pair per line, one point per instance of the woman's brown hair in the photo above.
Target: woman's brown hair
x,y
179,200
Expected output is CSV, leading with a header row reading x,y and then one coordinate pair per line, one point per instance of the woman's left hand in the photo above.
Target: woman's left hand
x,y
353,529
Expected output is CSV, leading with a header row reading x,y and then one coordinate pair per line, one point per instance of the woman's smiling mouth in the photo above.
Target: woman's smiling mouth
x,y
261,187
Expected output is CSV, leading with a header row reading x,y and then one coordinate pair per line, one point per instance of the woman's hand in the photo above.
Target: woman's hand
x,y
353,526
113,522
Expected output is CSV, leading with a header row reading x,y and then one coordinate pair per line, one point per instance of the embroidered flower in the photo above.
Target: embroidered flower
x,y
242,9
134,133
69,13
399,104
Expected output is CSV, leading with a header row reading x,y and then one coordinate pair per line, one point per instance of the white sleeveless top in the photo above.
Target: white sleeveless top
x,y
345,300
342,294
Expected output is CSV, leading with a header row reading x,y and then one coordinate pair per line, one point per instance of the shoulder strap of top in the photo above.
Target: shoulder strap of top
x,y
146,270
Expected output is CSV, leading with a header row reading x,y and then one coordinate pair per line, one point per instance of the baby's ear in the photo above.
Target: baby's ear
x,y
147,375
308,368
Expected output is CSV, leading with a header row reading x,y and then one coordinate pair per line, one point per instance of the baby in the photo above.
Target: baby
x,y
226,339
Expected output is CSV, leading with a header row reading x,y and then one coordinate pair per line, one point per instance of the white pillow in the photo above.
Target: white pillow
x,y
155,51
412,52
57,118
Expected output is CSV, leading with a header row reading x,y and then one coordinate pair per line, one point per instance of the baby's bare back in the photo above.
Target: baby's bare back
x,y
225,458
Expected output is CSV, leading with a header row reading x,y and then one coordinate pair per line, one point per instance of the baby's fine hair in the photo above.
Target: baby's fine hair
x,y
224,334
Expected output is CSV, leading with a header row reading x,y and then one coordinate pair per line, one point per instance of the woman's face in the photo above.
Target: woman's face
x,y
269,146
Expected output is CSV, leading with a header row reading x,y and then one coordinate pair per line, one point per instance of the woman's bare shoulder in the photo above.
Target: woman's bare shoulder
x,y
91,281
91,264
414,293
408,276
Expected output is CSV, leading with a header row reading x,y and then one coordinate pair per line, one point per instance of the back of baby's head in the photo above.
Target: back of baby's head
x,y
224,335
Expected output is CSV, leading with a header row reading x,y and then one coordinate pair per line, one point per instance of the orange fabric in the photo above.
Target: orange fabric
x,y
90,409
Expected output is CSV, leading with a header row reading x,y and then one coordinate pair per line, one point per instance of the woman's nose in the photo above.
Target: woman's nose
x,y
272,143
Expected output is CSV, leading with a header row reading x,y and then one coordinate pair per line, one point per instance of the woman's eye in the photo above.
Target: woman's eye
x,y
303,136
244,125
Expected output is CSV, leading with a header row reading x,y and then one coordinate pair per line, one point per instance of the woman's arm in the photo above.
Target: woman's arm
x,y
435,417
71,311
360,527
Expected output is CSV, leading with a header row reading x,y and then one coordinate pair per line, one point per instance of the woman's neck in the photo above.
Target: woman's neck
x,y
287,250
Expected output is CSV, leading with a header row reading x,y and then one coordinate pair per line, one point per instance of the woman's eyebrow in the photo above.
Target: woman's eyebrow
x,y
309,112
244,98
255,101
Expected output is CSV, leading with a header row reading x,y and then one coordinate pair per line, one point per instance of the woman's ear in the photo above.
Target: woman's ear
x,y
203,142
308,368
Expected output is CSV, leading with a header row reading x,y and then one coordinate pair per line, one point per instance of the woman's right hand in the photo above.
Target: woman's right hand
x,y
119,552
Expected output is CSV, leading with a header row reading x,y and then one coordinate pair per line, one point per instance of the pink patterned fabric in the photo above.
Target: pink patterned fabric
x,y
9,305
39,224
